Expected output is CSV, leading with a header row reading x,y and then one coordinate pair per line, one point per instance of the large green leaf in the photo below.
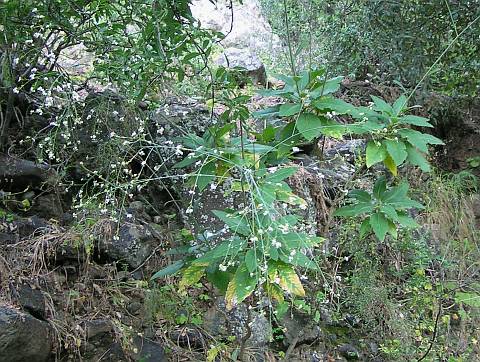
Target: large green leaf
x,y
289,280
251,260
289,109
390,211
266,112
354,210
416,139
360,195
396,193
381,105
376,152
300,260
281,174
399,105
417,159
309,125
192,274
333,104
379,224
169,270
415,120
330,86
229,247
397,151
365,228
406,221
380,187
205,175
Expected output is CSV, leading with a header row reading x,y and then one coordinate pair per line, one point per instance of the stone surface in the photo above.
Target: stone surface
x,y
349,351
220,322
148,351
30,299
101,343
130,244
247,60
248,28
20,228
301,328
16,332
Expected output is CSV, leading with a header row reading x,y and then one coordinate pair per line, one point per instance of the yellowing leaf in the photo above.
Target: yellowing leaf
x,y
390,164
240,287
274,292
192,274
291,199
289,280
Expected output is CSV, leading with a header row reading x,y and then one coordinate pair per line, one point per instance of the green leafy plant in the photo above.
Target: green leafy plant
x,y
474,162
394,142
385,208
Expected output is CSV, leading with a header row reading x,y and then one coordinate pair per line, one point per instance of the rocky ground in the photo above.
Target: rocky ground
x,y
93,301
75,288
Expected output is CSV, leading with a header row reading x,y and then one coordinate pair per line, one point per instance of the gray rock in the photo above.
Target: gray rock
x,y
32,300
23,337
222,323
148,351
97,327
349,351
301,328
249,28
347,149
48,206
247,60
130,244
19,228
101,344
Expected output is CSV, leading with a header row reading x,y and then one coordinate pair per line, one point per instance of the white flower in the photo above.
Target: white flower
x,y
129,216
213,187
276,244
15,90
178,150
189,210
222,267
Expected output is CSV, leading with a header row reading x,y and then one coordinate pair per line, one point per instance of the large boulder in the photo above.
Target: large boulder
x,y
247,29
23,337
247,60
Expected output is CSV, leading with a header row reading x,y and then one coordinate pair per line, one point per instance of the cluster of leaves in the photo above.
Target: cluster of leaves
x,y
384,209
395,143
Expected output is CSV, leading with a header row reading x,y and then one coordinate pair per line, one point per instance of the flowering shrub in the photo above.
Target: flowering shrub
x,y
267,240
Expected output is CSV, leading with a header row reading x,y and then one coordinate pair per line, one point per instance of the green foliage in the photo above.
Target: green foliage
x,y
386,41
394,143
265,243
385,208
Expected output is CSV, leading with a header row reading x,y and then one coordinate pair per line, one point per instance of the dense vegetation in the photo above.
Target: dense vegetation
x,y
390,257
